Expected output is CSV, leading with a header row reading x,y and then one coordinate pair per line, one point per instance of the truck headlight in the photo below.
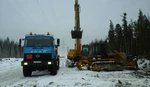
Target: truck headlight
x,y
94,58
49,63
25,63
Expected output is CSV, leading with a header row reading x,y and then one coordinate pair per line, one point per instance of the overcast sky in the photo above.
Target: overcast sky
x,y
19,17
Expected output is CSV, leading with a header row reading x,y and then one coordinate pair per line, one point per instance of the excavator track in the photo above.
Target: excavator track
x,y
106,66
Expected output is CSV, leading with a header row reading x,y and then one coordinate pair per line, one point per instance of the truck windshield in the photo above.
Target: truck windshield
x,y
38,41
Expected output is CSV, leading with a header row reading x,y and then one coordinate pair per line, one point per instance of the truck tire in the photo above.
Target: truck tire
x,y
58,62
27,71
54,69
136,66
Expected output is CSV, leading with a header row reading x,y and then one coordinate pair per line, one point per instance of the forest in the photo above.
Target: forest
x,y
9,48
131,37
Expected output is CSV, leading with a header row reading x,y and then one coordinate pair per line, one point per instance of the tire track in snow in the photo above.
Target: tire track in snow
x,y
12,74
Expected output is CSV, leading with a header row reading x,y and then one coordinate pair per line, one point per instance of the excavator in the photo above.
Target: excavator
x,y
95,57
75,54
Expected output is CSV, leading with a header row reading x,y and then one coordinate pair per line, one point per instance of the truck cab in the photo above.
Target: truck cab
x,y
39,53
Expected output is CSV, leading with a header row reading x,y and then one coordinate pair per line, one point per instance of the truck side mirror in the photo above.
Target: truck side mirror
x,y
58,42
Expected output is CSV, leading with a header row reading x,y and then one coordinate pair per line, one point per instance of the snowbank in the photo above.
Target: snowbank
x,y
9,62
144,64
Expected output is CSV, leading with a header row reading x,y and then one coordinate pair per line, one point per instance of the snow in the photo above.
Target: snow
x,y
11,76
144,64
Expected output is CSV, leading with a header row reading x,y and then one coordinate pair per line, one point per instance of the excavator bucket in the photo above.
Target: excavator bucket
x,y
71,54
70,58
76,34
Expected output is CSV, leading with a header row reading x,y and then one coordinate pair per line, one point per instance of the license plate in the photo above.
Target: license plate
x,y
36,61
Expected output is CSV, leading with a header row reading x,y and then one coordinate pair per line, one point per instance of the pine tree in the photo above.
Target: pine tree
x,y
111,36
130,38
140,32
125,37
9,48
118,38
12,43
1,45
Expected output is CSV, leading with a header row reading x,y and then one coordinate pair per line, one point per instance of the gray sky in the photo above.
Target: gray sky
x,y
19,17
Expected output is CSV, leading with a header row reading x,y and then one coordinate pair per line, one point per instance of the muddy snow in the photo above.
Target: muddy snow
x,y
11,76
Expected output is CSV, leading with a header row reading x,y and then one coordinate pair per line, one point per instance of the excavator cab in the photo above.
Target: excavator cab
x,y
84,62
85,50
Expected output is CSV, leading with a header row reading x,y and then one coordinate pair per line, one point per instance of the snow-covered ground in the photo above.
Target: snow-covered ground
x,y
11,76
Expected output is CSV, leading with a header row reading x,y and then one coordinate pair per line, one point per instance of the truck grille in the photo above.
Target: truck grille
x,y
40,57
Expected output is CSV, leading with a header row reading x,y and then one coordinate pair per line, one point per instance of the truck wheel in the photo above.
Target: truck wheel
x,y
54,69
27,71
58,61
137,67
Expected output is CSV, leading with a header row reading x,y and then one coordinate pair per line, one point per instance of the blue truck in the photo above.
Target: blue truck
x,y
39,53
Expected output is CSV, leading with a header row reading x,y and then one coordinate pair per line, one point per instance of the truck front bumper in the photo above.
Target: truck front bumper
x,y
36,63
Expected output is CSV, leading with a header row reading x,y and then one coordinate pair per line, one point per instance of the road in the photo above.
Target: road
x,y
11,76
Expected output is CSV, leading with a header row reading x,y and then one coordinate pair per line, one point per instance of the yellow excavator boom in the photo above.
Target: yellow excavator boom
x,y
75,54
